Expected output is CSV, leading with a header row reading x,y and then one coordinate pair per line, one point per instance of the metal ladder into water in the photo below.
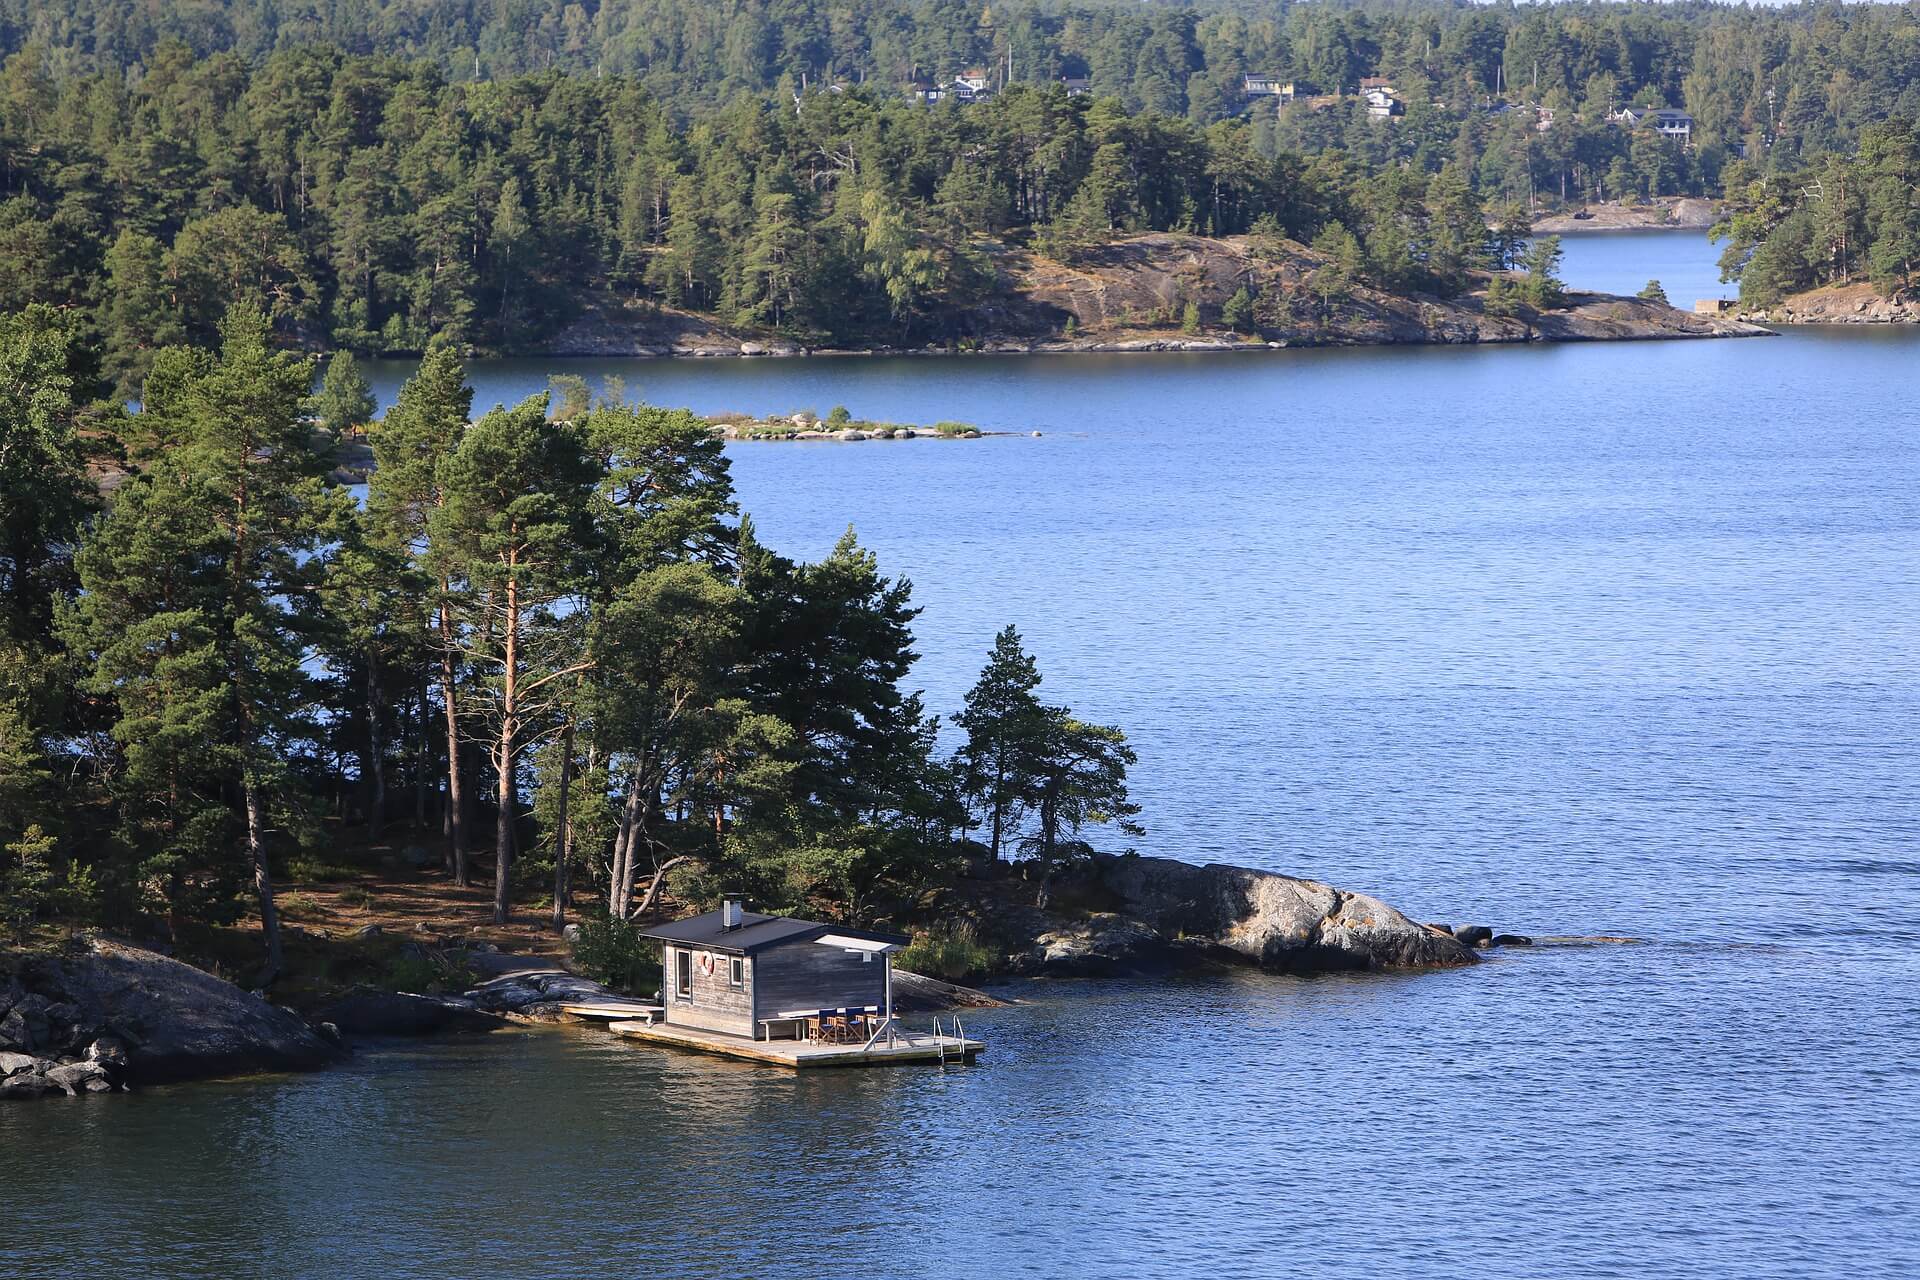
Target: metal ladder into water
x,y
940,1044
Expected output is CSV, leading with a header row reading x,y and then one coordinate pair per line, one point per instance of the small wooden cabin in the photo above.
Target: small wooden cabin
x,y
759,976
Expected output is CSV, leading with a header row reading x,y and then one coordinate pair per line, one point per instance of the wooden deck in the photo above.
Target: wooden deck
x,y
612,1009
907,1046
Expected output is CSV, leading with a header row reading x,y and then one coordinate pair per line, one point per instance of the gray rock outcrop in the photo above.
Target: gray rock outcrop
x,y
1103,945
917,993
538,994
1277,922
107,1013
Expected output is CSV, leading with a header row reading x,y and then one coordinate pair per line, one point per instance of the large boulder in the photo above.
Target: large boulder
x,y
1102,945
917,993
170,1020
1277,922
538,994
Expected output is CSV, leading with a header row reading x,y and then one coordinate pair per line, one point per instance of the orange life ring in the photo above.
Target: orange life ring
x,y
706,963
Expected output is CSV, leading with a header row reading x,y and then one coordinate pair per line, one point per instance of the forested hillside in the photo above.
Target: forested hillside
x,y
375,173
1808,77
371,204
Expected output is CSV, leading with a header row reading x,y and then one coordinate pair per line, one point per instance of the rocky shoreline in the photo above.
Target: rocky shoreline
x,y
104,1015
111,1016
810,426
1838,304
1170,915
1131,295
1681,213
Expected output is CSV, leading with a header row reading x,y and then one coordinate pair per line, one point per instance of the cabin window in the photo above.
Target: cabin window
x,y
737,972
683,971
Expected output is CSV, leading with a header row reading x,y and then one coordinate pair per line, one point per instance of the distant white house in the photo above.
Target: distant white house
x,y
1076,86
1382,105
1665,121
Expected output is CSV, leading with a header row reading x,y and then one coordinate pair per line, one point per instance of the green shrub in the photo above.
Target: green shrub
x,y
306,867
1503,297
1190,318
413,973
612,952
1238,313
33,886
950,952
955,429
425,973
297,904
838,416
356,896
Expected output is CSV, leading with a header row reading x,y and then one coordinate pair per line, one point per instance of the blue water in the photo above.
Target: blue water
x,y
1603,638
1685,263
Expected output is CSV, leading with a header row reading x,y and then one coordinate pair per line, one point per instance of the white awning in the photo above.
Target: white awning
x,y
845,943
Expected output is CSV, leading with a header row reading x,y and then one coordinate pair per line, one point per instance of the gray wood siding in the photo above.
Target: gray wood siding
x,y
806,975
714,1003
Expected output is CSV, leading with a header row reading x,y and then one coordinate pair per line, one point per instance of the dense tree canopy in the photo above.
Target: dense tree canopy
x,y
558,637
346,168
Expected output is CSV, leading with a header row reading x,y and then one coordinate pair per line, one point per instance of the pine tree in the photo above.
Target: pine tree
x,y
1004,723
511,535
44,499
345,401
193,588
1079,778
1543,286
424,426
136,315
1237,313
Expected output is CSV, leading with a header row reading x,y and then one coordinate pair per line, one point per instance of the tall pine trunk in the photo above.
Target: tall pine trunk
x,y
376,755
262,877
563,831
503,754
456,791
420,759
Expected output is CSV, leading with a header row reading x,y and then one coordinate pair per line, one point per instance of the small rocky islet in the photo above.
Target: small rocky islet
x,y
839,425
104,1015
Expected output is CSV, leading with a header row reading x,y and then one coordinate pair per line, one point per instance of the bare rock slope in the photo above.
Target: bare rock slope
x,y
1275,921
1132,295
108,1014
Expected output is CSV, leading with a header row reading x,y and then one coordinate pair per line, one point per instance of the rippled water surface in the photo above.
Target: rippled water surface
x,y
1618,638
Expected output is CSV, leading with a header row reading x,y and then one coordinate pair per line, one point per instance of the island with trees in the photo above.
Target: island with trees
x,y
543,675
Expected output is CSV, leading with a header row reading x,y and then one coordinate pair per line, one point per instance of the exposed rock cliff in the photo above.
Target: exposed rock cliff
x,y
110,1013
1840,304
1275,921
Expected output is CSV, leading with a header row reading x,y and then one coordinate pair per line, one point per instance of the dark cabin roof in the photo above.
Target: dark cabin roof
x,y
757,932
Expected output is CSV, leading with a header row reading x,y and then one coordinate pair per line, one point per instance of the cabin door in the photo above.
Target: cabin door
x,y
683,971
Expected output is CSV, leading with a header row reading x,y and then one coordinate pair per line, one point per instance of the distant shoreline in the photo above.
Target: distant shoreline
x,y
1161,291
1679,213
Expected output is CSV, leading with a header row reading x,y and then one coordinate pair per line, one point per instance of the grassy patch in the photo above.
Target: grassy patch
x,y
950,952
320,870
